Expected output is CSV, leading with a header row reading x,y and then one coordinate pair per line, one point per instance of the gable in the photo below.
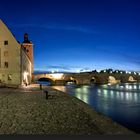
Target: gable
x,y
6,36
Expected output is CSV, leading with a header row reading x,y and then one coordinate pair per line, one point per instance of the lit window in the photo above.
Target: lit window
x,y
6,42
5,64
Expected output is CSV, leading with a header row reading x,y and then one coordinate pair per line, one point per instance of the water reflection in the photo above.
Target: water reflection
x,y
127,87
120,102
111,94
82,93
135,97
122,96
129,96
99,90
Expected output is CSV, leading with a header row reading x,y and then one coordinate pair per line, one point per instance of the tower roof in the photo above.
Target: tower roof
x,y
26,40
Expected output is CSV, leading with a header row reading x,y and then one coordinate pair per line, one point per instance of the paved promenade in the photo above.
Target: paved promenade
x,y
26,111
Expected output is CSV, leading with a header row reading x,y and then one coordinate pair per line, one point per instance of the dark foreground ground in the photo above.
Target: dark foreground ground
x,y
26,111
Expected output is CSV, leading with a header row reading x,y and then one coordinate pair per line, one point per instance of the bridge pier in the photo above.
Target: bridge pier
x,y
59,82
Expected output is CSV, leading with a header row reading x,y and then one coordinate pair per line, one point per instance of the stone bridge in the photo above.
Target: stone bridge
x,y
87,78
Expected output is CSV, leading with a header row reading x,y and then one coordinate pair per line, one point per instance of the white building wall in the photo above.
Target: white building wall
x,y
10,54
19,69
26,68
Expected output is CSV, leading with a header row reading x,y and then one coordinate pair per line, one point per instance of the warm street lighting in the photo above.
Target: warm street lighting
x,y
25,77
57,76
52,71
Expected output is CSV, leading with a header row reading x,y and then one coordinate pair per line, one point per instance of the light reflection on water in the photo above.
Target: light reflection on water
x,y
83,97
128,87
120,102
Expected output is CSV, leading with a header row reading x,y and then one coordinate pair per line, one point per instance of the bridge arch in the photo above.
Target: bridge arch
x,y
112,80
71,81
45,80
99,79
93,81
131,79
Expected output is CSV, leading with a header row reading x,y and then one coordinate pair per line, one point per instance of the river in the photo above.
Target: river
x,y
120,102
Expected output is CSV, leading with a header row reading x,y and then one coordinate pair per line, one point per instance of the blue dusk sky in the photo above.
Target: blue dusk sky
x,y
73,35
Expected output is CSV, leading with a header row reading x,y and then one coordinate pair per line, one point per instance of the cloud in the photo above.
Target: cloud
x,y
59,67
71,28
85,69
57,27
67,68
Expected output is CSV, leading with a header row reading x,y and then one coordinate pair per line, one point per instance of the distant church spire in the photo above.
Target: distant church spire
x,y
26,40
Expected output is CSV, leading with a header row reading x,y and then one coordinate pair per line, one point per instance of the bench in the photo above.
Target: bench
x,y
47,94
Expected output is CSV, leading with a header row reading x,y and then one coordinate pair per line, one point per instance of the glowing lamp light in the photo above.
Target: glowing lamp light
x,y
52,71
127,87
71,78
57,76
135,87
25,74
25,77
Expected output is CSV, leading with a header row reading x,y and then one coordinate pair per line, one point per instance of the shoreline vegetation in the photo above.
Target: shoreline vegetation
x,y
27,111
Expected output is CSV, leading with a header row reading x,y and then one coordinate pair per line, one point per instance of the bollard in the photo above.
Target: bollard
x,y
46,94
40,86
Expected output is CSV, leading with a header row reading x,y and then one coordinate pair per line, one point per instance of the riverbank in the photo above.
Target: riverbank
x,y
26,111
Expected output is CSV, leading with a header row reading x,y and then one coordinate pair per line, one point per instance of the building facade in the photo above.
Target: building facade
x,y
16,60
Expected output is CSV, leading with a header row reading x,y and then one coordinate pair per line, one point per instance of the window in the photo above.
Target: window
x,y
9,77
5,64
6,42
6,53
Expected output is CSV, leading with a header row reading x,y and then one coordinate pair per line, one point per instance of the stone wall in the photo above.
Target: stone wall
x,y
26,68
13,60
9,57
86,78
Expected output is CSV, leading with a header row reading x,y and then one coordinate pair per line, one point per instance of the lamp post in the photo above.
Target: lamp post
x,y
46,94
40,86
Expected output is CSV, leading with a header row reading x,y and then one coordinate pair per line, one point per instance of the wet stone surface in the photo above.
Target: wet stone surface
x,y
26,111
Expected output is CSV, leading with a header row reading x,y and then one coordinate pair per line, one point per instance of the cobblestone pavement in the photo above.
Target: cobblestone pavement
x,y
26,111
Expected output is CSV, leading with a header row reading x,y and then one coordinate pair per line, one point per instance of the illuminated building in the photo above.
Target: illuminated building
x,y
16,60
